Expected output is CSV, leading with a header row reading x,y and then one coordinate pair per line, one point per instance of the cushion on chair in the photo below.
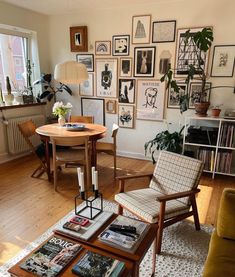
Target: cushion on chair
x,y
143,203
176,173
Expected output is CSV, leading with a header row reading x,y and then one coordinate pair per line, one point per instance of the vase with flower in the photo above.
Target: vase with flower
x,y
60,110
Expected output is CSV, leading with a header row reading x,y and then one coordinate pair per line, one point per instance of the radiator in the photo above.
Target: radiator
x,y
16,142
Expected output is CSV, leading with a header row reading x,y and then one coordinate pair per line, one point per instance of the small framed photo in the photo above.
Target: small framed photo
x,y
93,107
103,47
126,116
141,25
195,91
144,61
173,99
164,31
125,67
121,45
126,91
106,77
223,61
86,88
87,59
110,106
78,39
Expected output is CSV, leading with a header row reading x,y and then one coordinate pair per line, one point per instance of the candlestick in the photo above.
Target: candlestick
x,y
96,180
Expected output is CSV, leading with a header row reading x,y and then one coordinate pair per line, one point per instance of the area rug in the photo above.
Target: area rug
x,y
184,249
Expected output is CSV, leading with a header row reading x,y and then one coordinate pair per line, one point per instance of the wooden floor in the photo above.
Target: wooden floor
x,y
29,206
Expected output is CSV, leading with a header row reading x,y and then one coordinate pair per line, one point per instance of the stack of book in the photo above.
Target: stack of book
x,y
207,156
224,161
227,135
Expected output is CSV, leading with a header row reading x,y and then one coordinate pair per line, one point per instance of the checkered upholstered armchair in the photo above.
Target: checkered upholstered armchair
x,y
170,195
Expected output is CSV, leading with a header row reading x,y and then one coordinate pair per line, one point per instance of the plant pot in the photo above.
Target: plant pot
x,y
8,98
215,112
202,108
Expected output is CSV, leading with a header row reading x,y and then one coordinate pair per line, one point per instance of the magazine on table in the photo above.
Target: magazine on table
x,y
125,241
95,265
52,257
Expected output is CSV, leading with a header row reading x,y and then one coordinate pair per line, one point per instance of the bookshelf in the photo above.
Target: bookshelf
x,y
212,140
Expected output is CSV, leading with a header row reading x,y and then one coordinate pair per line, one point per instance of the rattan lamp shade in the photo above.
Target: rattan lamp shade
x,y
70,72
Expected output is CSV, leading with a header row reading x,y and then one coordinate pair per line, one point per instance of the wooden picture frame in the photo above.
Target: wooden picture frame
x,y
144,63
126,89
87,87
126,116
103,48
173,97
87,59
141,25
93,107
163,31
78,39
110,106
195,91
121,45
125,67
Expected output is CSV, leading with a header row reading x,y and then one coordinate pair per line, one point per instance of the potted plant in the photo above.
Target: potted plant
x,y
9,97
215,110
60,110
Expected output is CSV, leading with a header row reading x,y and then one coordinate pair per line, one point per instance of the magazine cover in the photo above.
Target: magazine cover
x,y
52,257
96,265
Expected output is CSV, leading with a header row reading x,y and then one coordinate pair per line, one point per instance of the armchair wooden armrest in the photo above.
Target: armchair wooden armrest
x,y
177,195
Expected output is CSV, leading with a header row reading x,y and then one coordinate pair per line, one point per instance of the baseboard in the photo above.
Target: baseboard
x,y
132,155
7,158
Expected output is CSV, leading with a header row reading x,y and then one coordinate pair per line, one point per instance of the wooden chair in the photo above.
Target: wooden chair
x,y
81,119
170,195
110,147
70,155
27,129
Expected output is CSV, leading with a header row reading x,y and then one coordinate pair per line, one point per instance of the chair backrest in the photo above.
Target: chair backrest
x,y
27,129
81,119
114,134
176,173
69,141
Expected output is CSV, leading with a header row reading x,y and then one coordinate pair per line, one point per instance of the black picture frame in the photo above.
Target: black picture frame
x,y
126,90
87,59
93,107
163,31
144,61
121,45
173,97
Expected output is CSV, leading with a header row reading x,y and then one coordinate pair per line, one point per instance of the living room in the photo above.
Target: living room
x,y
51,23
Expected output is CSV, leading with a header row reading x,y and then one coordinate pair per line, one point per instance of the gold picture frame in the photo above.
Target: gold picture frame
x,y
110,106
78,39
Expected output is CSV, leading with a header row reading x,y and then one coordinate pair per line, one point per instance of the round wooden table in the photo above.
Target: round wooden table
x,y
94,131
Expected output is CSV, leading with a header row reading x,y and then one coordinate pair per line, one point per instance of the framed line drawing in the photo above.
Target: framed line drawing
x,y
194,93
87,59
78,39
103,47
173,97
106,77
93,107
223,61
144,61
126,116
121,45
86,88
163,31
126,91
150,100
125,67
141,25
110,106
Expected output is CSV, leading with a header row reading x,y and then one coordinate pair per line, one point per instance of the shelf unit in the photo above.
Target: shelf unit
x,y
219,123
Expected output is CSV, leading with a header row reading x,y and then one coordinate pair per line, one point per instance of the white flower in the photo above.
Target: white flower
x,y
60,109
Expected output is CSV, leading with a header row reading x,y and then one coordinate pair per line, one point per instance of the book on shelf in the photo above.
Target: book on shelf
x,y
95,265
227,135
126,242
224,161
207,156
51,258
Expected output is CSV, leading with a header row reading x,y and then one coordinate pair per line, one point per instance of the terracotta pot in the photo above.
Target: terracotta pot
x,y
202,108
215,112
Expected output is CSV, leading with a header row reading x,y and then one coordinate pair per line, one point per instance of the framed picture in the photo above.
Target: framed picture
x,y
141,25
103,47
173,99
126,91
93,107
126,116
121,45
106,77
223,61
195,91
87,59
150,100
110,106
78,39
86,88
164,31
186,55
125,67
144,61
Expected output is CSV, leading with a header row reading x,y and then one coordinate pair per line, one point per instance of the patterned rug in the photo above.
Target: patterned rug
x,y
184,249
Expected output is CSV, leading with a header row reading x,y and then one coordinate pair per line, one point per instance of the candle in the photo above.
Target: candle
x,y
96,180
93,175
82,188
79,175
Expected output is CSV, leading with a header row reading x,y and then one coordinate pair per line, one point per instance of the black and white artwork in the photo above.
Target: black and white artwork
x,y
77,39
173,100
121,45
141,29
195,92
125,67
87,59
126,91
164,31
144,61
93,107
103,47
126,116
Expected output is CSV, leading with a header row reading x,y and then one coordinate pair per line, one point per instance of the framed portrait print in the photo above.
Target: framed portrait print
x,y
110,106
126,90
78,39
141,25
93,107
223,61
150,99
125,67
126,116
163,31
121,45
144,61
173,98
87,59
86,88
195,91
106,77
103,47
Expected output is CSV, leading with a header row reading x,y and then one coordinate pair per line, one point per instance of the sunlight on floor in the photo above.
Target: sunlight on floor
x,y
8,250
